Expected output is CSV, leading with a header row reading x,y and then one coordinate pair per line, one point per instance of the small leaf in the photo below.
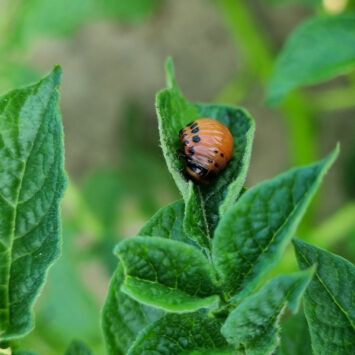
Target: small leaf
x,y
317,50
329,301
180,333
77,347
168,223
252,235
253,325
31,185
204,204
167,274
123,318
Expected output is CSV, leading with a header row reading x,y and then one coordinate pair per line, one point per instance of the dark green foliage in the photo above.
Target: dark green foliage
x,y
167,274
329,300
179,333
206,285
253,325
204,204
251,237
31,185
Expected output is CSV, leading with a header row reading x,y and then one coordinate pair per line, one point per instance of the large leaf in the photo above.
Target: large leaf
x,y
180,333
167,274
204,204
329,301
317,50
31,184
123,318
253,325
252,235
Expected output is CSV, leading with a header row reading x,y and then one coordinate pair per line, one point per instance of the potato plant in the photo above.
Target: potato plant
x,y
193,280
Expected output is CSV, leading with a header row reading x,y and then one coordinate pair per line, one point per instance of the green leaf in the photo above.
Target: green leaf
x,y
291,344
251,237
168,223
317,50
123,318
77,347
329,301
253,325
204,204
167,274
179,333
31,184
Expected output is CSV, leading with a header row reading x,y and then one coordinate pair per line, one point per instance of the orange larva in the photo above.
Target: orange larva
x,y
208,147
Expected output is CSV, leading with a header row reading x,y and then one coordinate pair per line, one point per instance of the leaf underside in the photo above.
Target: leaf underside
x,y
329,301
32,181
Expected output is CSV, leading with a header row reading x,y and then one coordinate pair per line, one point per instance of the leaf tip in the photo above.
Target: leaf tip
x,y
170,73
54,77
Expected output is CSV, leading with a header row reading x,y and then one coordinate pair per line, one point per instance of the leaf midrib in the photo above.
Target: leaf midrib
x,y
16,203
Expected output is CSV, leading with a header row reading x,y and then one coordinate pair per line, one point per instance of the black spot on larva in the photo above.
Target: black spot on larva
x,y
215,150
216,165
196,138
195,130
192,150
222,155
184,135
210,161
186,142
194,125
189,156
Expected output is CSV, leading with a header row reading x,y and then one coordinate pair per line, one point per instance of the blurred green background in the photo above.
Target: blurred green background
x,y
112,53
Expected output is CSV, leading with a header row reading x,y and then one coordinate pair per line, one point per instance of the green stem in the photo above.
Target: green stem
x,y
256,46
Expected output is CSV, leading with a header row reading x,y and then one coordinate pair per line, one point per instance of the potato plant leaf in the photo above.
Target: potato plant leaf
x,y
167,274
168,223
317,50
31,184
211,201
123,318
176,334
77,347
329,301
253,325
254,232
